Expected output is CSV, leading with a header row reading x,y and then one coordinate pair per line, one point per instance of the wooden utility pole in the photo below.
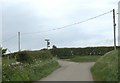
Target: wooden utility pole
x,y
114,25
19,41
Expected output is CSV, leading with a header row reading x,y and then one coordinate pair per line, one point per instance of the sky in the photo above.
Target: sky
x,y
33,19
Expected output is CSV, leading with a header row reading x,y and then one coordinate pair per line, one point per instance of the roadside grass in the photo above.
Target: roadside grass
x,y
7,61
106,68
33,66
0,69
89,58
26,71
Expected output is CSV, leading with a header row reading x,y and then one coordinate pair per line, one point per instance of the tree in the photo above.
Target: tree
x,y
24,57
54,50
54,47
3,51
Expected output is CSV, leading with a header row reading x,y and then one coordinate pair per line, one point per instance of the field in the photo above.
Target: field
x,y
85,58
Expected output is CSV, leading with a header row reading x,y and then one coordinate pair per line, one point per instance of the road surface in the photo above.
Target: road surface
x,y
71,71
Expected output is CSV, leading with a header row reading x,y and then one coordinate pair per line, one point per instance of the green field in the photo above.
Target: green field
x,y
106,68
89,58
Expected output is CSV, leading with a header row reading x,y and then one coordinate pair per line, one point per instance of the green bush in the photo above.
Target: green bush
x,y
62,53
41,55
23,57
30,56
45,55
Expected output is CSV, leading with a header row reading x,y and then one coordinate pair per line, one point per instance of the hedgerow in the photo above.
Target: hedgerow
x,y
71,52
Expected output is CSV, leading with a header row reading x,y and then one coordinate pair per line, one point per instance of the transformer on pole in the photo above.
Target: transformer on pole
x,y
48,43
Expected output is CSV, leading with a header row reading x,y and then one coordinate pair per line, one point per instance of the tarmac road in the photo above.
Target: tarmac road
x,y
71,71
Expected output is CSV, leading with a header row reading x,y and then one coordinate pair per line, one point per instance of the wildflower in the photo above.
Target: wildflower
x,y
3,64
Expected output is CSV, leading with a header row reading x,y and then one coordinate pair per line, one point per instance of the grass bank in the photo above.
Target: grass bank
x,y
29,72
0,69
106,68
85,58
31,65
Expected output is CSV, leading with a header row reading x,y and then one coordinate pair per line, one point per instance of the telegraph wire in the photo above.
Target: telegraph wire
x,y
9,38
66,26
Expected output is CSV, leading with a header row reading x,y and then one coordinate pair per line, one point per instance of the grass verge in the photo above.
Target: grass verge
x,y
0,70
29,72
106,68
85,58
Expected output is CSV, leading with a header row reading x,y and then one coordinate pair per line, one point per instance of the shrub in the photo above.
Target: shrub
x,y
45,55
23,57
42,55
70,52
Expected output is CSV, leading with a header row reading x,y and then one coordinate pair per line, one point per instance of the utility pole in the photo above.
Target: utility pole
x,y
114,25
48,43
19,41
0,50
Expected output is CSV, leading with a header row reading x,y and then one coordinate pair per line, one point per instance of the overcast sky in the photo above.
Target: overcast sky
x,y
29,16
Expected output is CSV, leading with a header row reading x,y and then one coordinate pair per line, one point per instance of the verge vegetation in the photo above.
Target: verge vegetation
x,y
106,68
32,66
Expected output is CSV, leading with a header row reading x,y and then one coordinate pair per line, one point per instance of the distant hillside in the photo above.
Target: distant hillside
x,y
106,68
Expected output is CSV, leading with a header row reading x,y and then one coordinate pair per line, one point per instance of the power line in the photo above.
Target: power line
x,y
9,39
66,26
